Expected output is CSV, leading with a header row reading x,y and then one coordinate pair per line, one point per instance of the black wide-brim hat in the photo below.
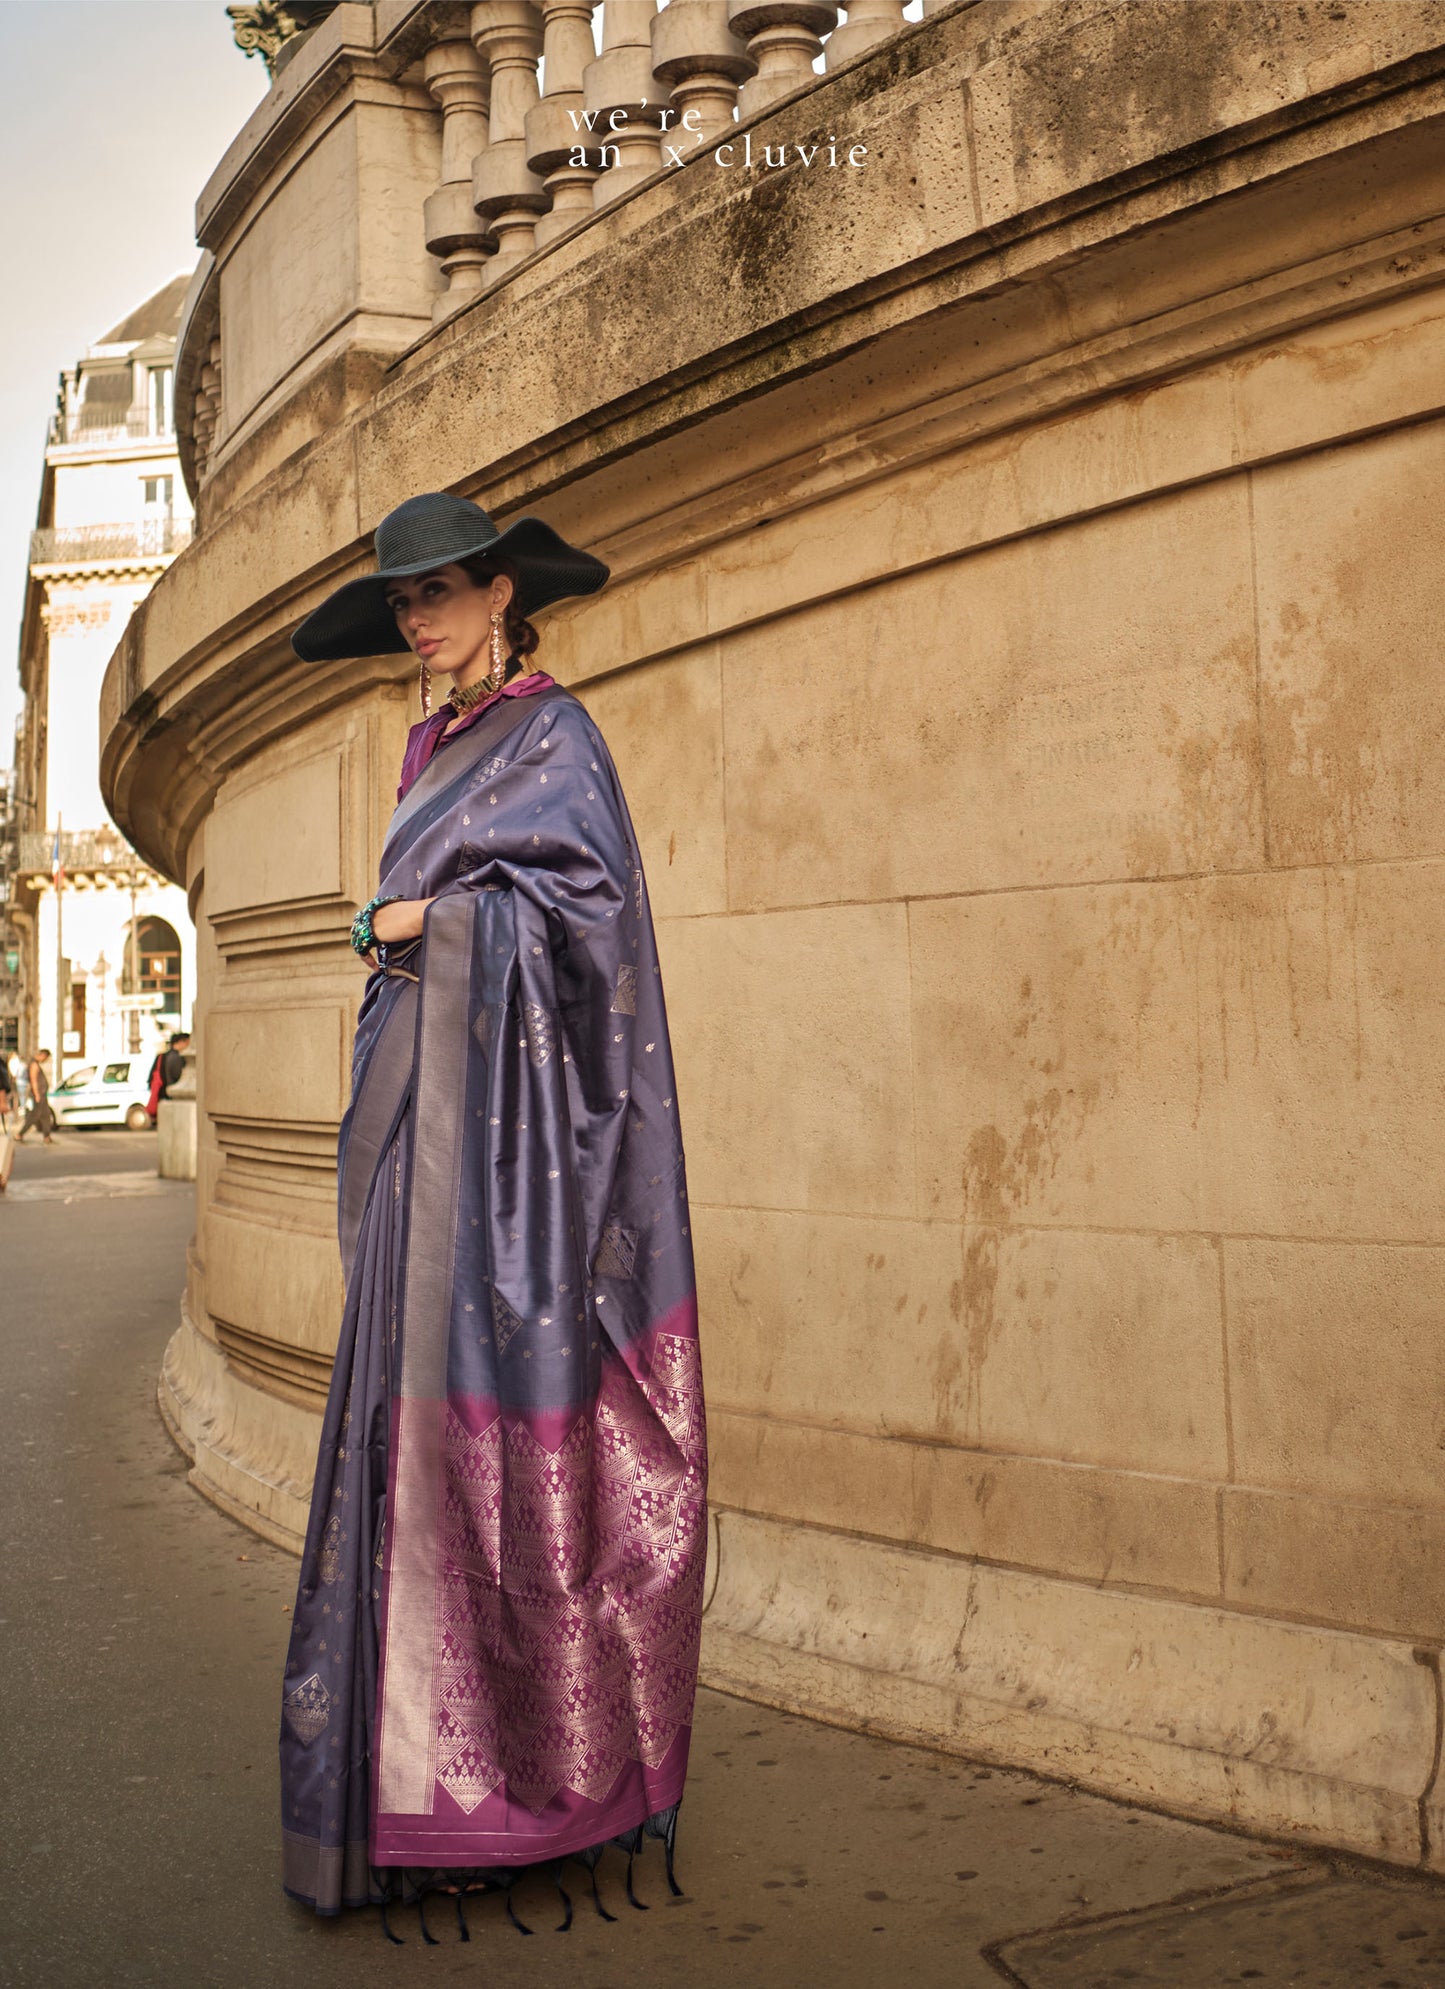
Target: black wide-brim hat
x,y
428,531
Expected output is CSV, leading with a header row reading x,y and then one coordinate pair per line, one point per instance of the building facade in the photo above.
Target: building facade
x,y
10,933
1016,439
104,944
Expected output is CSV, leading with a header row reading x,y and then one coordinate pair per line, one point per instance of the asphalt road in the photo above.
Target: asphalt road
x,y
142,1636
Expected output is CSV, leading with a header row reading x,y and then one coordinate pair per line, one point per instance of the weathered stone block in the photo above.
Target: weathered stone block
x,y
1258,1054
811,1006
667,727
1074,704
1337,1369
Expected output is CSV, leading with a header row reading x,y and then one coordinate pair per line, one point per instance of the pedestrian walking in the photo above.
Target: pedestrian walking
x,y
493,1655
165,1070
155,1081
173,1063
39,1112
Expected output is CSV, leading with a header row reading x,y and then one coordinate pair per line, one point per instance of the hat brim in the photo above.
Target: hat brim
x,y
355,620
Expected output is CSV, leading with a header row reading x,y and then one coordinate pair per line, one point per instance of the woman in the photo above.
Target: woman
x,y
494,1649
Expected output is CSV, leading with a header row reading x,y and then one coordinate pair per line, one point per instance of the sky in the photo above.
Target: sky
x,y
116,113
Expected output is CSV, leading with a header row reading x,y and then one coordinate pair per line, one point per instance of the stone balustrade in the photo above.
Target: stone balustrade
x,y
510,124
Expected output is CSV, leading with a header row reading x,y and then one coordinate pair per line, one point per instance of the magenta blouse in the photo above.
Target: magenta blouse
x,y
424,739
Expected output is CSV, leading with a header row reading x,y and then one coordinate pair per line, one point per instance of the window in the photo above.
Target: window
x,y
160,492
118,1073
162,407
159,962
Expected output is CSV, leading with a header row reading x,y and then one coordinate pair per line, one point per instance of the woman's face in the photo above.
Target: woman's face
x,y
446,617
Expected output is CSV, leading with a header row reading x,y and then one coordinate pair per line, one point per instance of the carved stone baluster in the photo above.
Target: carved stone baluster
x,y
559,146
868,22
457,78
201,431
702,61
620,84
207,405
508,35
784,39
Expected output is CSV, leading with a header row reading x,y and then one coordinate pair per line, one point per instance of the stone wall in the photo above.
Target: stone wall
x,y
1020,658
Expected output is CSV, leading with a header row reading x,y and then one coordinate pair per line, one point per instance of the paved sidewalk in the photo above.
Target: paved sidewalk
x,y
142,1641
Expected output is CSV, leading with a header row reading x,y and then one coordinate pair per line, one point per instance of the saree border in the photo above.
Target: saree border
x,y
375,1115
408,1691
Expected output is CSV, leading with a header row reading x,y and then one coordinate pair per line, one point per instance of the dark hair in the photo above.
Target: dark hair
x,y
517,632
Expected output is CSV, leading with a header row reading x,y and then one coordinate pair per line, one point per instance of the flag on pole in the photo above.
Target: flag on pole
x,y
57,865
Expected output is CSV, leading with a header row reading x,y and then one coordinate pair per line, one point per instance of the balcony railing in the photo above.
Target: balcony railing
x,y
146,538
80,850
86,426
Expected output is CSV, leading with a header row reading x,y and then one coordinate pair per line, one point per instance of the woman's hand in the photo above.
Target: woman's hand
x,y
400,920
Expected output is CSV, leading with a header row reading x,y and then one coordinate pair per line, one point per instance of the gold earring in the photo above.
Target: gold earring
x,y
424,686
497,675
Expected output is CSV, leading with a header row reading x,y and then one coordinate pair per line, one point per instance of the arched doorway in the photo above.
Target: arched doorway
x,y
153,966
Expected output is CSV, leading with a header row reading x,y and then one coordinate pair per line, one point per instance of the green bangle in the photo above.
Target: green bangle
x,y
363,939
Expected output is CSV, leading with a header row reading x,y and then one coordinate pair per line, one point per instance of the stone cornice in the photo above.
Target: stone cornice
x,y
405,29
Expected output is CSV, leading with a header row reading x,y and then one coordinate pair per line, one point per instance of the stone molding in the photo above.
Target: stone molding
x,y
1290,1731
251,1453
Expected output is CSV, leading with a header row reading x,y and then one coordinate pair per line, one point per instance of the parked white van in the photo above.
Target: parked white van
x,y
104,1095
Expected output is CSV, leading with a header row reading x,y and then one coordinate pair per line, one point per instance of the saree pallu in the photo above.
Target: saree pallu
x,y
493,1656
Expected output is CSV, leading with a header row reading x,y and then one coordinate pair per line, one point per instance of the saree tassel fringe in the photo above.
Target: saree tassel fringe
x,y
409,1886
512,1915
597,1897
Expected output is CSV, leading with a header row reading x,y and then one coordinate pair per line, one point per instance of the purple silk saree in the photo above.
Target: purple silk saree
x,y
494,1650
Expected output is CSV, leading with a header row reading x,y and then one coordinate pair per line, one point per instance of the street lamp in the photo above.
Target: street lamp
x,y
100,970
